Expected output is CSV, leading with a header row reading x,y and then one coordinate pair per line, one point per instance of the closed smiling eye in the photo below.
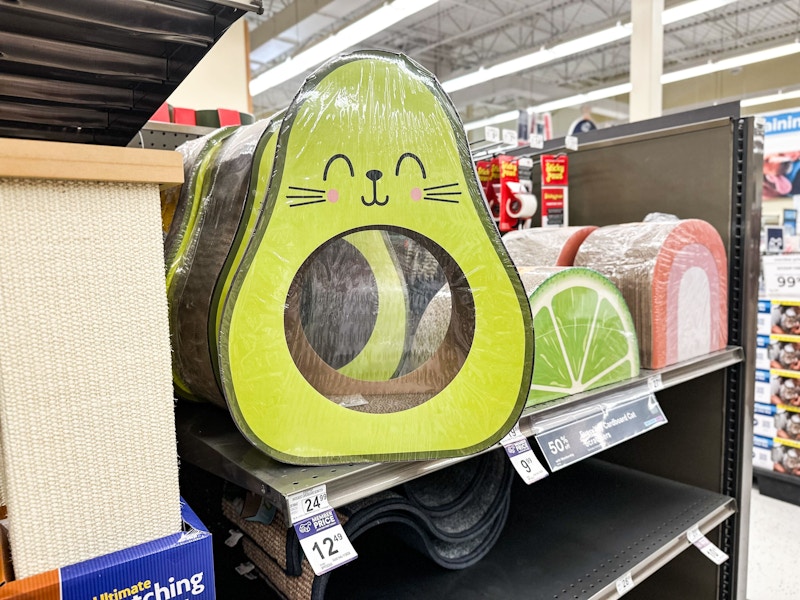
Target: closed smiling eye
x,y
303,196
412,156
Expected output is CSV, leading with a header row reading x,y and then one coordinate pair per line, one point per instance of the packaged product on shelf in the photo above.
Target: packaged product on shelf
x,y
373,203
584,333
787,423
786,456
87,396
673,276
762,452
763,352
764,420
234,181
545,247
763,387
180,565
784,388
779,317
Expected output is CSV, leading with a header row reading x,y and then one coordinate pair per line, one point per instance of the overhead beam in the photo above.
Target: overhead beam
x,y
285,19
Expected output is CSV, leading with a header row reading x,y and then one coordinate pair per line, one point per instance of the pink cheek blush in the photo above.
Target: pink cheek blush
x,y
416,193
333,195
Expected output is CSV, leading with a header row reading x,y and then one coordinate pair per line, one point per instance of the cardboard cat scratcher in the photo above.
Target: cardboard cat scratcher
x,y
674,277
234,182
371,154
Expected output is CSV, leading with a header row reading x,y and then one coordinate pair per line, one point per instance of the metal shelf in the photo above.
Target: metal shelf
x,y
208,438
559,543
166,136
94,71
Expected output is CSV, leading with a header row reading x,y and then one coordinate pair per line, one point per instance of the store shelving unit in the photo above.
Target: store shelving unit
x,y
208,438
569,533
94,71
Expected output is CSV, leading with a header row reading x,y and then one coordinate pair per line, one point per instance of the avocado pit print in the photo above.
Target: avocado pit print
x,y
373,207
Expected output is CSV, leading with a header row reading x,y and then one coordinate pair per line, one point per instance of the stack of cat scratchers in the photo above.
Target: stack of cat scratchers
x,y
86,407
224,206
454,517
305,323
673,276
545,246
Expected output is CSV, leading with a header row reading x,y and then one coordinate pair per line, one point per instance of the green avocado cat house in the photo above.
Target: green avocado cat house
x,y
372,162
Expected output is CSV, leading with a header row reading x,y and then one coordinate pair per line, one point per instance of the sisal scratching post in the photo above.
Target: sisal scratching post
x,y
86,408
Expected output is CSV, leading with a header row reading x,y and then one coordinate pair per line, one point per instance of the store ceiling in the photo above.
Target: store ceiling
x,y
453,37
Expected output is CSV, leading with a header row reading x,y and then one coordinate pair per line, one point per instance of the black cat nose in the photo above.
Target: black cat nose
x,y
374,175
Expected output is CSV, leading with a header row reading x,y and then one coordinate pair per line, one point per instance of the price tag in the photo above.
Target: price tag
x,y
706,546
654,383
536,141
321,536
571,142
566,444
510,137
526,162
624,583
522,457
234,538
781,276
492,134
245,568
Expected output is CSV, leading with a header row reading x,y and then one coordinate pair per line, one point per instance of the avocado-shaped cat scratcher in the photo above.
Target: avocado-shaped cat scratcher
x,y
372,143
224,219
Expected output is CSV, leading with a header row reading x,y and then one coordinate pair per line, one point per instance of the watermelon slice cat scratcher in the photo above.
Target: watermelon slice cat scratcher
x,y
372,144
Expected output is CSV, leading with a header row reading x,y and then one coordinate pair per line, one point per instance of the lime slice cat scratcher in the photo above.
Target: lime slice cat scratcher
x,y
585,337
372,143
223,211
545,246
674,276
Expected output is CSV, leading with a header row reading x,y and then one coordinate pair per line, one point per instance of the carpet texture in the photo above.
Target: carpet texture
x,y
86,404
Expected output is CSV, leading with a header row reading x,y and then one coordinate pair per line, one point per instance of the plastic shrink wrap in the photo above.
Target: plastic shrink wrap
x,y
545,247
673,276
584,333
234,182
374,204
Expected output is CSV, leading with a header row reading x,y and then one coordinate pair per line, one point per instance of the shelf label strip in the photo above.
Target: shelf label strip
x,y
608,426
522,457
321,536
706,546
624,583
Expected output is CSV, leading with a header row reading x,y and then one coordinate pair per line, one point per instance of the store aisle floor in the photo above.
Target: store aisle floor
x,y
774,546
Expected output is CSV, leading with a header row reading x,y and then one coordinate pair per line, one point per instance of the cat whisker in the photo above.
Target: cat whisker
x,y
444,193
438,187
301,197
441,199
305,203
302,189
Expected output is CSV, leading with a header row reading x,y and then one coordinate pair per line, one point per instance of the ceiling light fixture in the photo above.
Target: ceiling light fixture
x,y
779,97
356,32
576,46
625,88
688,10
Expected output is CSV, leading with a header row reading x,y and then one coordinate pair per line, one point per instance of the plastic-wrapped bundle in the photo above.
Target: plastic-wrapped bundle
x,y
235,181
453,516
372,158
545,246
674,278
585,336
